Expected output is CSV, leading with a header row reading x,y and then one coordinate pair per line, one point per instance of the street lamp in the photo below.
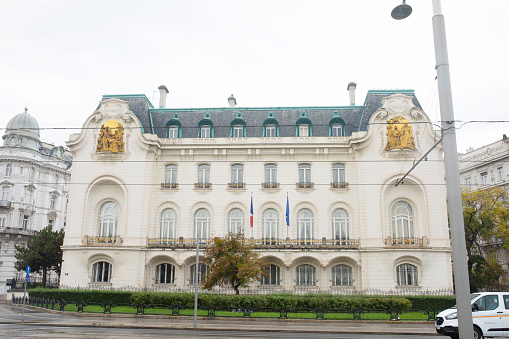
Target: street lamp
x,y
459,254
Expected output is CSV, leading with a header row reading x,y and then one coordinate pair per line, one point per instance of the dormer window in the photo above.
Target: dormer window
x,y
205,131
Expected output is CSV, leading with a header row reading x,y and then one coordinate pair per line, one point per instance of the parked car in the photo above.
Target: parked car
x,y
490,315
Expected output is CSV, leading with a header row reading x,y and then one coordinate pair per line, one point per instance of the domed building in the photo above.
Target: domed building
x,y
34,186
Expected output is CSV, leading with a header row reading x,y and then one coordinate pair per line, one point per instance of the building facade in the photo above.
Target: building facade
x,y
156,178
34,183
486,167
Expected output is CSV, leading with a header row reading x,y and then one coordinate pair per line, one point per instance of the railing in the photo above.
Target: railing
x,y
14,230
99,240
267,243
270,185
5,204
339,185
305,185
236,185
202,185
406,242
169,185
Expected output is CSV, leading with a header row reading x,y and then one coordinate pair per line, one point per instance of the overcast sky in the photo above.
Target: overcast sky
x,y
59,57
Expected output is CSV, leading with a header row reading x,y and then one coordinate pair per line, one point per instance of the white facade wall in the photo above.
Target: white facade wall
x,y
133,181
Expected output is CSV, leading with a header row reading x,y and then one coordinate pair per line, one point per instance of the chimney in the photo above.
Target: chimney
x,y
232,101
163,91
351,88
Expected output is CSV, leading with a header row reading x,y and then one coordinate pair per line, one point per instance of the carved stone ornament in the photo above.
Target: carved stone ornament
x,y
128,118
399,134
97,117
111,137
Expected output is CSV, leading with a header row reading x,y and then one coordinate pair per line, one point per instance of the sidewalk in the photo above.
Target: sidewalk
x,y
68,319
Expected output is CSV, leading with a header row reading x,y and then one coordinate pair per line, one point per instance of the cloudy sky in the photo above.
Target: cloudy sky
x,y
59,57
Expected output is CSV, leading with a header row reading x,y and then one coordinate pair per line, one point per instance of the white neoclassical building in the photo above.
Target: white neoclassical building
x,y
34,187
146,181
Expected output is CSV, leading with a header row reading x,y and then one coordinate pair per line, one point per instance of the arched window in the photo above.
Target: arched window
x,y
238,128
202,273
270,226
272,275
168,224
271,128
305,275
303,128
402,220
236,221
336,127
407,275
165,274
101,272
8,170
201,224
341,275
205,129
305,225
340,227
174,129
108,218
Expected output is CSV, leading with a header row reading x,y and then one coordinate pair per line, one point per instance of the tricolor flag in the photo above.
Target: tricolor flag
x,y
287,211
252,215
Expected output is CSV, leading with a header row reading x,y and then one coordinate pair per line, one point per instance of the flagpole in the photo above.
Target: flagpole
x,y
287,217
252,216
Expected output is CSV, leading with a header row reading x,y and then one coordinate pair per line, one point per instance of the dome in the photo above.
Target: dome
x,y
23,124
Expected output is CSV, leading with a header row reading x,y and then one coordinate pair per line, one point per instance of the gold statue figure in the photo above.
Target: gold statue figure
x,y
111,137
399,134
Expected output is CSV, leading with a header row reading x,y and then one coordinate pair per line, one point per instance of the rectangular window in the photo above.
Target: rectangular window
x,y
52,201
205,131
31,174
170,175
6,193
173,132
50,223
500,172
468,182
204,174
303,130
337,130
28,196
237,173
484,179
24,223
55,179
238,131
3,220
271,173
272,276
8,170
270,130
304,173
338,173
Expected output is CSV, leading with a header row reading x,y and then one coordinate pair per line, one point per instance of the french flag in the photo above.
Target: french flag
x,y
252,215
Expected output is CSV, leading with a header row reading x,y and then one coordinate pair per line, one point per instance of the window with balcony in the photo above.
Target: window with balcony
x,y
484,179
101,272
271,128
8,170
108,219
270,220
305,229
340,227
407,275
402,220
168,223
304,176
270,176
165,274
500,171
170,176
341,275
236,221
338,176
305,275
204,176
237,177
272,276
201,224
202,273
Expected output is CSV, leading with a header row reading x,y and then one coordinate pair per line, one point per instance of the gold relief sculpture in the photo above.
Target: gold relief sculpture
x,y
399,134
111,137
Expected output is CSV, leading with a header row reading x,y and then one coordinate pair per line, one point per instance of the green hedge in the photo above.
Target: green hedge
x,y
311,301
98,296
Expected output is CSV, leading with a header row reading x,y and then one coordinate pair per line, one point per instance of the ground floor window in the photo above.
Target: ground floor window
x,y
202,273
407,275
165,274
341,275
306,275
101,272
272,276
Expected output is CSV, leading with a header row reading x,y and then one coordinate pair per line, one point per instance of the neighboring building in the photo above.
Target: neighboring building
x,y
34,185
157,177
484,167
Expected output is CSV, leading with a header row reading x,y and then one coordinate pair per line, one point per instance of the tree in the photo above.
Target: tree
x,y
42,252
486,216
232,261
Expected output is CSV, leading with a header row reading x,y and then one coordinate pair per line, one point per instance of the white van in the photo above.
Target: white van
x,y
490,315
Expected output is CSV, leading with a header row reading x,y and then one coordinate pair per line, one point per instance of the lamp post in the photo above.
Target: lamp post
x,y
459,254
